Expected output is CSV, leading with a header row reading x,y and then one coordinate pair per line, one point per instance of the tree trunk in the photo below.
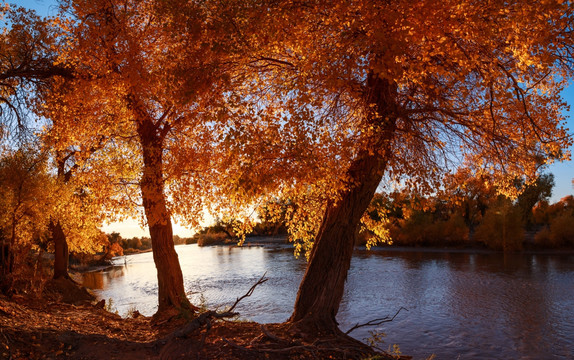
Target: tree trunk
x,y
321,289
171,291
4,256
12,245
4,275
61,252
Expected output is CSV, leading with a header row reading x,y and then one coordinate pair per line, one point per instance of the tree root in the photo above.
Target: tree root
x,y
335,346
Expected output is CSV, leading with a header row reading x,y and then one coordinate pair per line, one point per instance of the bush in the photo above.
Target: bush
x,y
543,238
562,228
211,239
559,233
423,229
501,228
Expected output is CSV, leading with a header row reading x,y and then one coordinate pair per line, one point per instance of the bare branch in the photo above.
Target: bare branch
x,y
204,319
376,322
248,293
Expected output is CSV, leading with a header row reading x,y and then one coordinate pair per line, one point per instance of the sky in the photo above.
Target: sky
x,y
563,172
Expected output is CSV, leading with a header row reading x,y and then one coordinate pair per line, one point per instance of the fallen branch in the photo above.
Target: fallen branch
x,y
376,322
270,335
204,319
248,293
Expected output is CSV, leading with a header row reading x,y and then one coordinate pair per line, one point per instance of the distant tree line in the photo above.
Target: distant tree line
x,y
468,212
121,246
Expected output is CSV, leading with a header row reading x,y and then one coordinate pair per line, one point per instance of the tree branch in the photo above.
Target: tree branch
x,y
248,293
376,322
204,319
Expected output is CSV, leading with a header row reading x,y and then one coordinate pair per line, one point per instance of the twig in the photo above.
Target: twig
x,y
248,293
124,333
288,349
375,322
7,344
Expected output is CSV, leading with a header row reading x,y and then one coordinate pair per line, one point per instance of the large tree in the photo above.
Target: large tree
x,y
407,90
28,50
151,84
434,83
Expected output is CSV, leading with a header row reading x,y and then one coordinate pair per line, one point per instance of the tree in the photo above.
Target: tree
x,y
151,84
532,194
471,194
25,197
501,227
29,68
27,64
76,220
419,88
32,198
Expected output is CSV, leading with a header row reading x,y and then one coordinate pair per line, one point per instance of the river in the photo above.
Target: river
x,y
460,305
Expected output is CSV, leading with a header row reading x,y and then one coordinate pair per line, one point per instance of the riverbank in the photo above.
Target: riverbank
x,y
475,248
466,250
35,328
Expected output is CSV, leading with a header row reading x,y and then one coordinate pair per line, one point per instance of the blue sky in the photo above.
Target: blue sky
x,y
563,172
42,7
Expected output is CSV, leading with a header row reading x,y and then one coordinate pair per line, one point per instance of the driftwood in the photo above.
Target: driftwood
x,y
376,322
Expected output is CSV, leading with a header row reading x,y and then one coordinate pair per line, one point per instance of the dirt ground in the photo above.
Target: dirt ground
x,y
48,328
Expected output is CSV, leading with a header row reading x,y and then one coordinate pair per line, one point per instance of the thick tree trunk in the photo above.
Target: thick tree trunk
x,y
4,275
4,255
171,291
61,253
322,286
7,257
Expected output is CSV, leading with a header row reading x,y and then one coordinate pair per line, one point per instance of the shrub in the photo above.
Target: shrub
x,y
422,229
562,228
211,239
543,238
560,232
501,228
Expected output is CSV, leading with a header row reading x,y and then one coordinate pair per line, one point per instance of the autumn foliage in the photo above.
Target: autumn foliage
x,y
175,109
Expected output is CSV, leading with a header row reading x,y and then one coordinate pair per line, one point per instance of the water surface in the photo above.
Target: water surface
x,y
460,305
